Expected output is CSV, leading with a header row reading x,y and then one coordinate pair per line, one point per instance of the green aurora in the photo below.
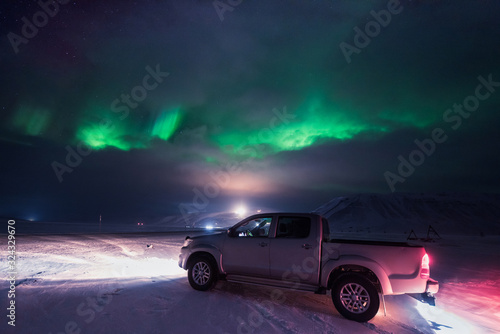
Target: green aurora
x,y
311,122
127,134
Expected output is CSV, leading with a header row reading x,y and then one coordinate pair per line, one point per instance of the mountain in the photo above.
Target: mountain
x,y
447,213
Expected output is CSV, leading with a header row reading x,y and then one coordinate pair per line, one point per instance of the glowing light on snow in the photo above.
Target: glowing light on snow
x,y
140,267
126,267
443,322
209,227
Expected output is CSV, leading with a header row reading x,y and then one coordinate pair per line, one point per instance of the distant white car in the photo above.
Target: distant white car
x,y
290,250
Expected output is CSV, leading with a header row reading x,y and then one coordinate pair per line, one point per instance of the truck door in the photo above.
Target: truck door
x,y
246,250
294,253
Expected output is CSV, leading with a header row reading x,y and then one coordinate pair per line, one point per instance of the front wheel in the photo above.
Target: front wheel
x,y
202,274
355,297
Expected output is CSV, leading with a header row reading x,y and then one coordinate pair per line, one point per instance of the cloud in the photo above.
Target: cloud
x,y
228,83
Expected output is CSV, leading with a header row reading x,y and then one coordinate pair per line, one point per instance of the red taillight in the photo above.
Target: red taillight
x,y
424,269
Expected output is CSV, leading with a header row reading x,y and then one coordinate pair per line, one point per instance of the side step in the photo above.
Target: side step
x,y
272,282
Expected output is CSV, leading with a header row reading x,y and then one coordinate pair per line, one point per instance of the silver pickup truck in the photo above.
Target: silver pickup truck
x,y
292,250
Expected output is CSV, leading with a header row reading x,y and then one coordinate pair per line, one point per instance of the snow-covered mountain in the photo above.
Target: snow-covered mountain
x,y
447,213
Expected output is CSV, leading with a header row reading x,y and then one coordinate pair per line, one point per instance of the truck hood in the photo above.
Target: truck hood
x,y
211,238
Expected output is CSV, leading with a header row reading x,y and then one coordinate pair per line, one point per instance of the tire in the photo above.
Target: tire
x,y
355,297
202,273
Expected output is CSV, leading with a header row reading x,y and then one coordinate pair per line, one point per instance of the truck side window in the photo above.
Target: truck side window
x,y
293,227
254,228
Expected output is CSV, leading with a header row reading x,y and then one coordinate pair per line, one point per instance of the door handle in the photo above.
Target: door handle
x,y
306,246
262,244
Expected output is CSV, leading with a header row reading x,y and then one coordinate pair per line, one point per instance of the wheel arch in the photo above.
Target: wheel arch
x,y
207,254
355,264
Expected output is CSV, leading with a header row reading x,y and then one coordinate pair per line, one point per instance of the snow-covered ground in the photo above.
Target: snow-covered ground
x,y
114,283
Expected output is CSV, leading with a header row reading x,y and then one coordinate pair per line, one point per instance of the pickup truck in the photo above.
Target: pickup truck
x,y
294,250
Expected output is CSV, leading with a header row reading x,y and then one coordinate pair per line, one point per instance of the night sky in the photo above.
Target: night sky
x,y
154,108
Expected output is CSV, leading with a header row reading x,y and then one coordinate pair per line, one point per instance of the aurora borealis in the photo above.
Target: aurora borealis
x,y
163,97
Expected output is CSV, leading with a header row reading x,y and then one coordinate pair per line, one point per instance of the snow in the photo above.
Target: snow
x,y
114,283
109,282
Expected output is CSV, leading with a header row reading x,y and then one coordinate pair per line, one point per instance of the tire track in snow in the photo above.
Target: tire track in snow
x,y
315,318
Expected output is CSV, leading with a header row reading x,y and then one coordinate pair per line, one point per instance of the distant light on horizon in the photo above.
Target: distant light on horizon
x,y
240,211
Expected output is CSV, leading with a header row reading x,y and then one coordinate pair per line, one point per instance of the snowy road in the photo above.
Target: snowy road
x,y
114,283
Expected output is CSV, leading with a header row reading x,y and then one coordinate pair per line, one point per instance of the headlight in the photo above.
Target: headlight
x,y
187,242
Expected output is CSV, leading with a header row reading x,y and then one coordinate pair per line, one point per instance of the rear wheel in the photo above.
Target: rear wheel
x,y
355,297
202,273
